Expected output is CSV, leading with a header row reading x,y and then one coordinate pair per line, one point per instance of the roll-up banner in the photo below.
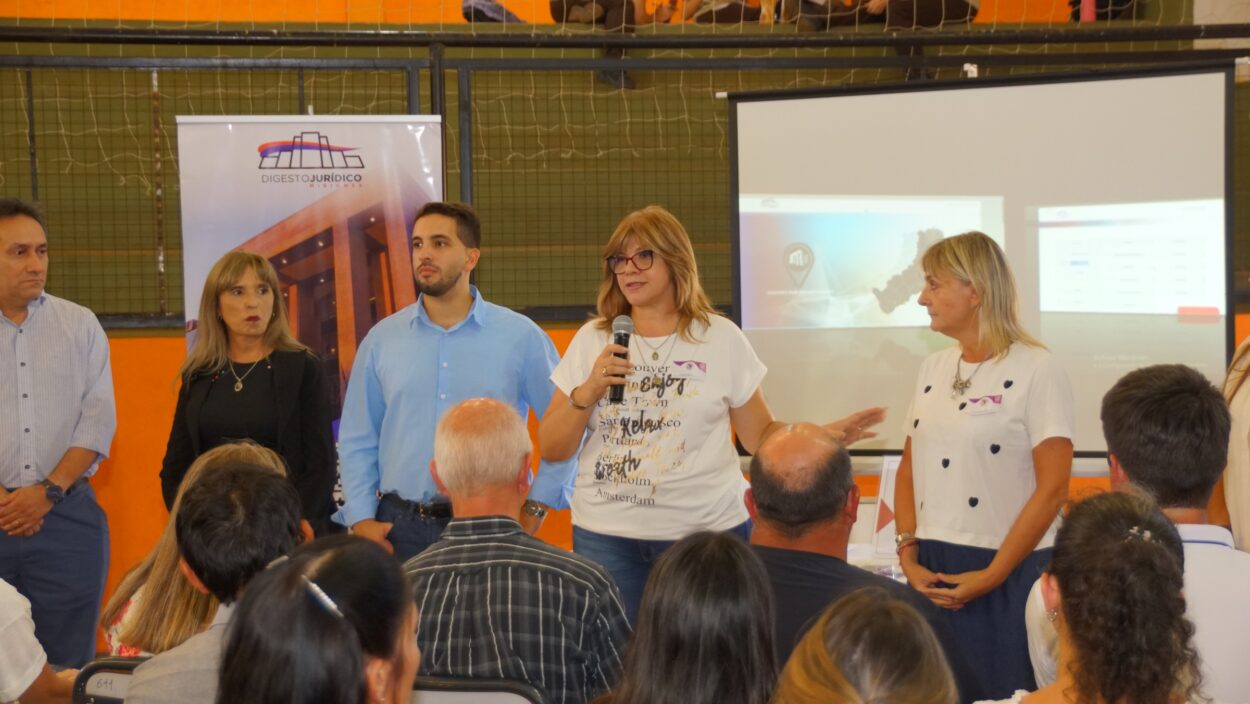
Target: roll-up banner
x,y
329,201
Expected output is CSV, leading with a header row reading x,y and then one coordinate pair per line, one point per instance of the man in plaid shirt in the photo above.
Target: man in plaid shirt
x,y
494,601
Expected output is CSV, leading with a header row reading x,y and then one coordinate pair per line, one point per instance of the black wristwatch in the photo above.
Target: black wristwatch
x,y
52,491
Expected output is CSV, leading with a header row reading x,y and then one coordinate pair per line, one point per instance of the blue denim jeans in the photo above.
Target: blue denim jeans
x,y
629,560
61,571
410,533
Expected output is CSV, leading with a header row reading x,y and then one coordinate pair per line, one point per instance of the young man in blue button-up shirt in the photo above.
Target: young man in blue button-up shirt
x,y
412,367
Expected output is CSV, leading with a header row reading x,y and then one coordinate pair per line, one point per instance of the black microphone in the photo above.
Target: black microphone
x,y
622,328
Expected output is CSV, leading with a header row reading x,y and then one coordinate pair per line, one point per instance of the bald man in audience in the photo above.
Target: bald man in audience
x,y
495,601
803,503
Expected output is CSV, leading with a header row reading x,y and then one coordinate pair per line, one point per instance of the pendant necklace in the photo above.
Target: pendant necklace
x,y
658,379
238,380
960,386
655,351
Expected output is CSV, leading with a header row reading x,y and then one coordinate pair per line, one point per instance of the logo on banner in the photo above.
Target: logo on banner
x,y
309,151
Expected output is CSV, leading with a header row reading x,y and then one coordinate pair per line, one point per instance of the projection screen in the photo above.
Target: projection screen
x,y
1110,194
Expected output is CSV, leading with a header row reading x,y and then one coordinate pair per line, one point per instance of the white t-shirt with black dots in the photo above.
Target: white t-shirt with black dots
x,y
662,464
971,455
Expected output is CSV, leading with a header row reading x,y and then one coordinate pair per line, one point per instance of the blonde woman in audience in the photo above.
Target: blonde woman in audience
x,y
705,628
866,648
1113,591
155,608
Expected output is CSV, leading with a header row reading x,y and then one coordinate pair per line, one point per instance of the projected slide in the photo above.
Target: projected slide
x,y
1143,258
829,262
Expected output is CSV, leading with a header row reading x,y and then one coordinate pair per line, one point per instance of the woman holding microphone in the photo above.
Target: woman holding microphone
x,y
660,464
986,465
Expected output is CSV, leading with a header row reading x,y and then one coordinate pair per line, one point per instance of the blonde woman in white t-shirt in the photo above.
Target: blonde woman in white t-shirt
x,y
987,461
662,464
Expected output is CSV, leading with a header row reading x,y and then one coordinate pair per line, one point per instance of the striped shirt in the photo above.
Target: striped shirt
x,y
496,602
56,389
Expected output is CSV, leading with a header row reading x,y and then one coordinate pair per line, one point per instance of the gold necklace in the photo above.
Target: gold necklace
x,y
655,351
238,380
658,379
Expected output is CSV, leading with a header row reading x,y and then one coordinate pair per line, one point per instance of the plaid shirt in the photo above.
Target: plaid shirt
x,y
496,602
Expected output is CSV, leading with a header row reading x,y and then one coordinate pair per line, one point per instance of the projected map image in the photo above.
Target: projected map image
x,y
845,262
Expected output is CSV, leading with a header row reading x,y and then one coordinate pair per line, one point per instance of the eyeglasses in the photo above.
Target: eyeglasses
x,y
641,261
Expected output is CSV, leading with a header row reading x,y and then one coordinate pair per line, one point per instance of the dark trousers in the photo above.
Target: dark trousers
x,y
990,629
618,15
61,571
410,532
900,15
629,560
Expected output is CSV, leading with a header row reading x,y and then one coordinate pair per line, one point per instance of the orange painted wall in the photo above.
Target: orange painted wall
x,y
372,12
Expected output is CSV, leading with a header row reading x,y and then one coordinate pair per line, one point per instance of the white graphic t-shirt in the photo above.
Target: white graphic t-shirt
x,y
662,464
972,454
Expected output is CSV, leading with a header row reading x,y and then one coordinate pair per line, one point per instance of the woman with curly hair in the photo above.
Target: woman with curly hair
x,y
1113,591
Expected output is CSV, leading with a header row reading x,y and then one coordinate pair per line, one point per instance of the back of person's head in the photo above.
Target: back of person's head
x,y
801,476
334,623
705,628
1118,567
480,443
171,610
231,527
868,648
1168,426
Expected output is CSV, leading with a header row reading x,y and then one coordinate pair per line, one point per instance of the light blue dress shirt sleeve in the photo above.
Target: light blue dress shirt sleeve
x,y
541,360
97,418
359,431
56,390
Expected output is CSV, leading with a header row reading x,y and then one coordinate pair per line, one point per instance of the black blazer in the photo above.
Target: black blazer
x,y
305,439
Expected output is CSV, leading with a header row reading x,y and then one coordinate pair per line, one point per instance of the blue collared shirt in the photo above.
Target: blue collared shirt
x,y
409,371
56,389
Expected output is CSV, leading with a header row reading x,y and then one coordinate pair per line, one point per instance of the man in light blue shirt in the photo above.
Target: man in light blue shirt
x,y
449,346
56,401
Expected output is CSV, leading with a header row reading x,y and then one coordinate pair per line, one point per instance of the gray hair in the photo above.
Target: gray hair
x,y
479,443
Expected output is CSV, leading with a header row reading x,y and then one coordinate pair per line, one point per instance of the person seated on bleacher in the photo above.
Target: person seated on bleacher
x,y
24,671
228,530
869,646
494,601
705,628
155,608
335,623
